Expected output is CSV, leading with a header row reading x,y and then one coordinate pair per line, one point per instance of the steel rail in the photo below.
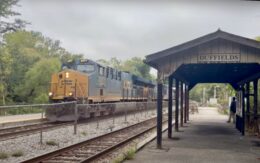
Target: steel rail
x,y
9,133
13,132
95,142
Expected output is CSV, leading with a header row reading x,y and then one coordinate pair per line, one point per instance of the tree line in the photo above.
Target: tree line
x,y
28,59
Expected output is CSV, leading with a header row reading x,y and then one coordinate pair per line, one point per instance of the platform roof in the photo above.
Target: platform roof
x,y
218,57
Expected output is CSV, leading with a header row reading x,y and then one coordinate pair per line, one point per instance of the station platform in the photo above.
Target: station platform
x,y
16,119
206,138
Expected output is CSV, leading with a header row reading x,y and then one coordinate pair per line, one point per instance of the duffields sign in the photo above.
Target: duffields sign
x,y
219,58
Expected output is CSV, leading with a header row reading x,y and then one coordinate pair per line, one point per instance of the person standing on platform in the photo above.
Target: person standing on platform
x,y
232,111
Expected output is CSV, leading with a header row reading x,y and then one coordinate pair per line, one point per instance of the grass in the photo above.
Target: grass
x,y
3,155
52,143
23,110
223,111
18,153
84,133
129,155
119,159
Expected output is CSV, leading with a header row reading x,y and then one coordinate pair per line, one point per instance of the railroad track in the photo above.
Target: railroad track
x,y
92,149
14,132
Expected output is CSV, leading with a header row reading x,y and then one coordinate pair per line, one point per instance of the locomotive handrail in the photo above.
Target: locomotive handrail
x,y
83,94
115,103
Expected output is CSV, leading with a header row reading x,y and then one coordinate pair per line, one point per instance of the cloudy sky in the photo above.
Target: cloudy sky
x,y
124,28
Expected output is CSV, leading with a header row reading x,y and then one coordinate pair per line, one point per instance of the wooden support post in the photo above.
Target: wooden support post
x,y
159,109
170,108
256,126
181,104
177,105
186,102
243,110
247,104
255,99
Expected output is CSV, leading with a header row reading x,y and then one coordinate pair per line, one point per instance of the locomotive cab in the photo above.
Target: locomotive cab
x,y
68,85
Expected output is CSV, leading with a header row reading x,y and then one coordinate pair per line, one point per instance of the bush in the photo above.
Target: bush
x,y
3,155
129,155
84,133
52,143
18,153
24,110
119,159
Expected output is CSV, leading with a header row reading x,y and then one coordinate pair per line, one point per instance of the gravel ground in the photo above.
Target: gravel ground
x,y
30,145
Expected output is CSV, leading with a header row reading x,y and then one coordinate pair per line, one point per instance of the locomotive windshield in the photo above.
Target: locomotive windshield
x,y
86,68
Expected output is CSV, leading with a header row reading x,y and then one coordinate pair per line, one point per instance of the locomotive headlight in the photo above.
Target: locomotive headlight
x,y
70,94
67,75
50,93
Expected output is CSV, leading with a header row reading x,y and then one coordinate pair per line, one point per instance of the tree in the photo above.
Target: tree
x,y
137,67
35,89
24,52
5,13
223,91
134,65
115,63
5,70
103,62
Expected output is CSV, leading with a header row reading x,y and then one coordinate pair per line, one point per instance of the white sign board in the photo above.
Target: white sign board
x,y
215,58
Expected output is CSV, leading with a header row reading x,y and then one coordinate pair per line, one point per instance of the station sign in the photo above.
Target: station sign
x,y
222,58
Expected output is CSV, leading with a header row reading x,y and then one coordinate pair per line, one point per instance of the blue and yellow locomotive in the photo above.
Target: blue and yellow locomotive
x,y
87,81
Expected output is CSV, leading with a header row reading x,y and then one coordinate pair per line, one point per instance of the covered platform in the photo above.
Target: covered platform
x,y
218,57
206,138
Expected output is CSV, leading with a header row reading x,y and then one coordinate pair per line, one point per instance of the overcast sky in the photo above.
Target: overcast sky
x,y
124,29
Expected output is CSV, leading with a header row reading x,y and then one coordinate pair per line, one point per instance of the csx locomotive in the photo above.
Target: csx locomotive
x,y
87,81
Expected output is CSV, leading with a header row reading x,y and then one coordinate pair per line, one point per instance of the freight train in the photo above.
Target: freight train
x,y
89,82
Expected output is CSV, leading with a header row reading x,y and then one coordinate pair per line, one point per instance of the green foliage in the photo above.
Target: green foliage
x,y
27,61
134,65
6,8
52,143
23,110
6,12
36,83
223,91
129,155
257,38
84,133
18,153
3,155
119,159
5,70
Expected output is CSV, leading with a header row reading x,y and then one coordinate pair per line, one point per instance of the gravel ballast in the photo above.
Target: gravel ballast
x,y
30,146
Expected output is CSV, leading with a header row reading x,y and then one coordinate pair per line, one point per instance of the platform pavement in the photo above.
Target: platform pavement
x,y
207,138
19,118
